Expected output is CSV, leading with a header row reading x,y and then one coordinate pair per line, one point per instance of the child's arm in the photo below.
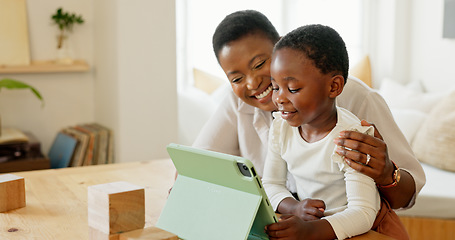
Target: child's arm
x,y
274,179
357,218
307,209
363,205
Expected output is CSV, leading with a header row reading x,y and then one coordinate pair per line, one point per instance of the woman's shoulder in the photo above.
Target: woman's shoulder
x,y
360,99
355,88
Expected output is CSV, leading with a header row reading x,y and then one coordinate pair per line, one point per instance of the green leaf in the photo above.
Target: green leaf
x,y
14,84
66,20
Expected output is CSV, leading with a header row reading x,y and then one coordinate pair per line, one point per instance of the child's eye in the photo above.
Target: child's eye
x,y
294,90
275,89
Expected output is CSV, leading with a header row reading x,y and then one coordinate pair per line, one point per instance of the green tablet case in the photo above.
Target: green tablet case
x,y
213,199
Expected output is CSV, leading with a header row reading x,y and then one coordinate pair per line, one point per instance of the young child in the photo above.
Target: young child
x,y
309,70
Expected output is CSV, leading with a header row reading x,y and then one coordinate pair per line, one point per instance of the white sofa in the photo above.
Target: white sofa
x,y
411,108
416,113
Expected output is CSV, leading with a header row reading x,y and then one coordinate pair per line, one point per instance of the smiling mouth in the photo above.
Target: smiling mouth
x,y
286,112
265,93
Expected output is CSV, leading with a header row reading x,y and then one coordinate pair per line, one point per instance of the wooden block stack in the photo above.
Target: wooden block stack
x,y
12,192
117,211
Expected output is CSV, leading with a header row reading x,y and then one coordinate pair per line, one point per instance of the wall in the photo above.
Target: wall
x,y
406,43
432,56
130,88
68,96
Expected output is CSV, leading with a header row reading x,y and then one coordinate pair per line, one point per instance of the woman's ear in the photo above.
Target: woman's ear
x,y
336,86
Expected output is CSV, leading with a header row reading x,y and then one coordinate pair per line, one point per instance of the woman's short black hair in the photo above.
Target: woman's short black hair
x,y
239,24
320,43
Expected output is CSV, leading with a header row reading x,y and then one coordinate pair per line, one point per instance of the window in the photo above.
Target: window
x,y
197,20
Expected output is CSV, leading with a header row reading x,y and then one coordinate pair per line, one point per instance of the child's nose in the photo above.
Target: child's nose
x,y
279,97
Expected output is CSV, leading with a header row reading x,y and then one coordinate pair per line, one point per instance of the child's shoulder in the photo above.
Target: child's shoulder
x,y
278,129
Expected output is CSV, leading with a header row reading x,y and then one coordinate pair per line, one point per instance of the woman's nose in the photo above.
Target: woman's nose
x,y
252,82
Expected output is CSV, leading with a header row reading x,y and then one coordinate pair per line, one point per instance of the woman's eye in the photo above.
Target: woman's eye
x,y
236,80
260,65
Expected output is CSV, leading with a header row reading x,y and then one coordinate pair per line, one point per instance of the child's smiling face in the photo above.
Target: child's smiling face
x,y
246,63
300,91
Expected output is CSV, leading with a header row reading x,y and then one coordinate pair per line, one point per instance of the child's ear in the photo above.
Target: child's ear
x,y
337,85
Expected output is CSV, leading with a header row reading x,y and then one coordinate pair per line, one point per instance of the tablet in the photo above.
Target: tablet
x,y
215,196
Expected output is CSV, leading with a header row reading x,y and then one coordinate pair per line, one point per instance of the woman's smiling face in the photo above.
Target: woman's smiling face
x,y
246,63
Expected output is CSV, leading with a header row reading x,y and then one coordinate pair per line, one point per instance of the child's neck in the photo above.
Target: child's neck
x,y
318,129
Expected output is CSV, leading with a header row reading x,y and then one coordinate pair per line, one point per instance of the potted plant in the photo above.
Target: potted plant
x,y
65,22
15,84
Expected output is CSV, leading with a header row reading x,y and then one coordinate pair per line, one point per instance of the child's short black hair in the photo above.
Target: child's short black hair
x,y
239,24
322,44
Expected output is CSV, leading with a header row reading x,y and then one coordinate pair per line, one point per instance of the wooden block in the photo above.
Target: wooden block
x,y
95,234
150,233
116,207
12,192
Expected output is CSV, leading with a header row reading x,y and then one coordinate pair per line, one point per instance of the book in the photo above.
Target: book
x,y
103,142
91,145
95,144
12,135
81,148
62,150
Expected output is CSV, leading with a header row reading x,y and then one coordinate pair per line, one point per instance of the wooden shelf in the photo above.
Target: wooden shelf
x,y
46,67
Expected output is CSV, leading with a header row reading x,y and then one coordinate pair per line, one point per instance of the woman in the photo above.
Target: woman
x,y
243,44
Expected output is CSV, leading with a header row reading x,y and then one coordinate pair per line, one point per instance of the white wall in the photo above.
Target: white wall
x,y
130,46
432,56
147,72
406,43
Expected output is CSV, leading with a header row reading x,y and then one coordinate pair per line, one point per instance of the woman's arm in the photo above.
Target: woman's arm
x,y
220,132
379,167
291,227
367,104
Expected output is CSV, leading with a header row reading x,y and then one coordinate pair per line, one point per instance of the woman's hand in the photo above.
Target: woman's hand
x,y
291,227
368,154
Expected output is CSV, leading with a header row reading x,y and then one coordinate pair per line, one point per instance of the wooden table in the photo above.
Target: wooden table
x,y
57,199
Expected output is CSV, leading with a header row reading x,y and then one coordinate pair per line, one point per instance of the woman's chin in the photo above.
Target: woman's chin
x,y
266,106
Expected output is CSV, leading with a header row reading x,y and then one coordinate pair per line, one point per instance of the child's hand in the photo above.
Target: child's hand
x,y
289,227
309,209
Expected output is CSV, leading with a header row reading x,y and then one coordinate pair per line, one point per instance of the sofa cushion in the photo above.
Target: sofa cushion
x,y
362,71
409,121
434,142
409,96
